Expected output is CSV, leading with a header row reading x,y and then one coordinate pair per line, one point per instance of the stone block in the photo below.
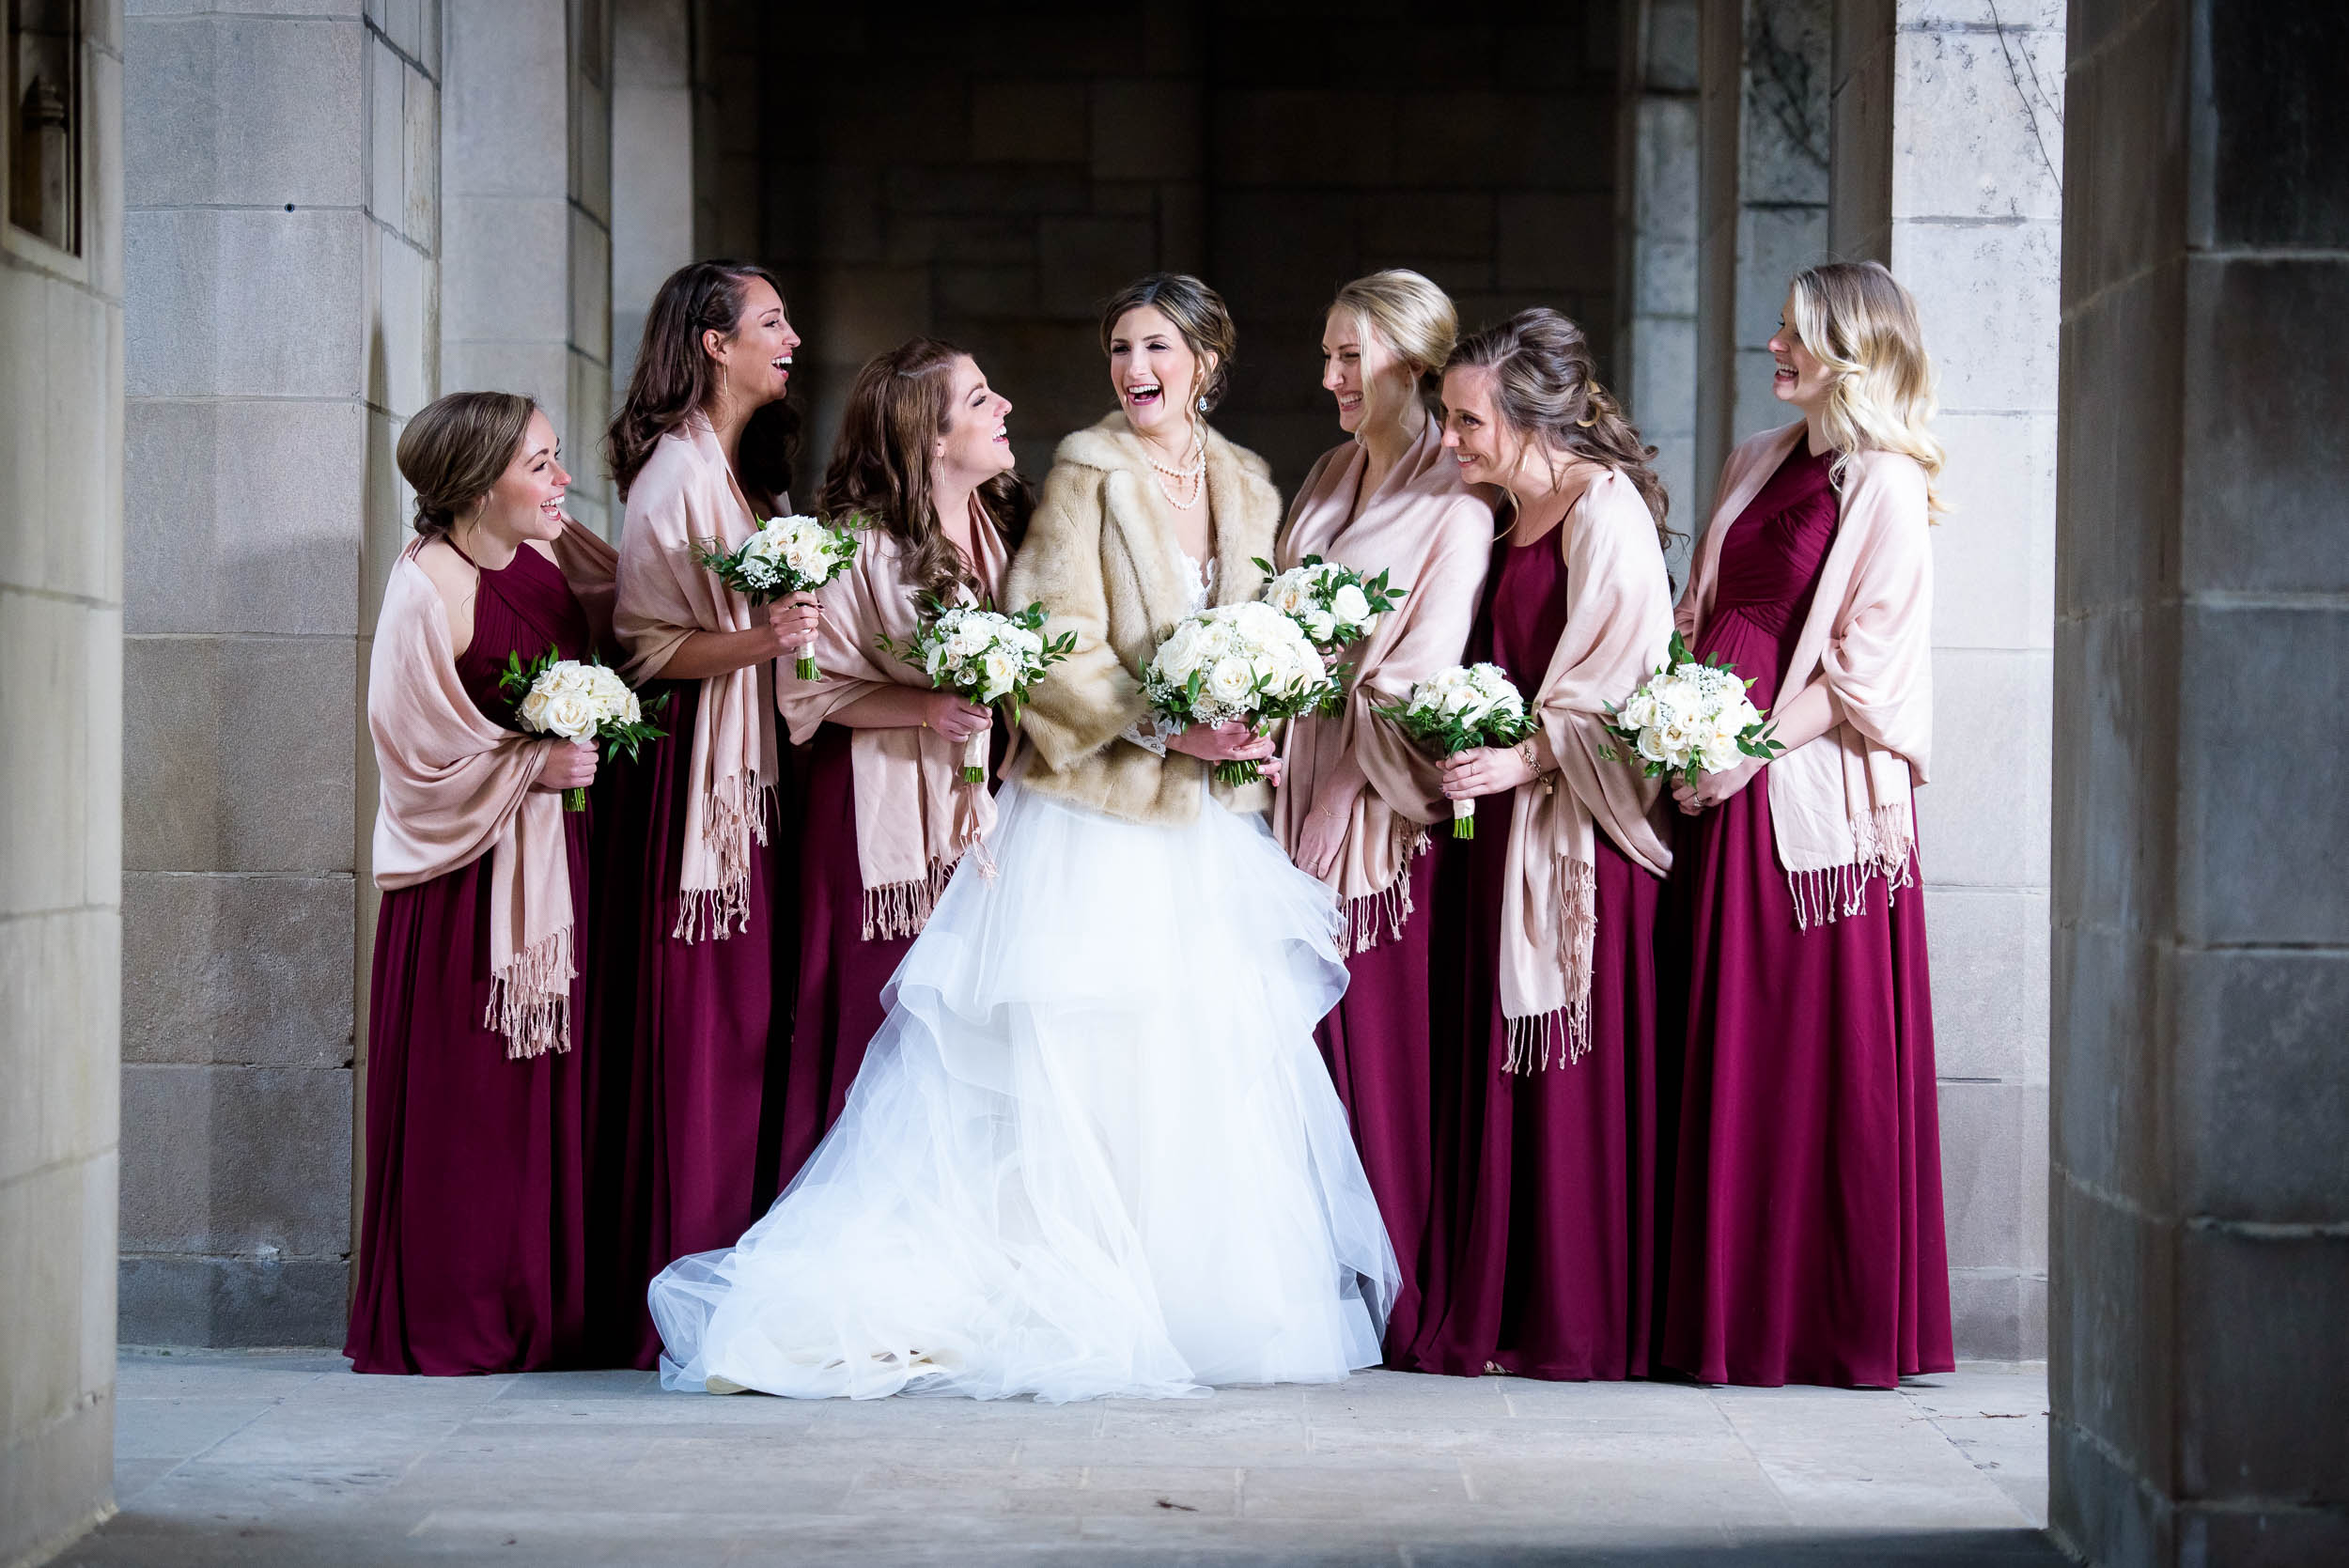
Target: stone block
x,y
1981,127
1539,141
652,46
2260,1412
1999,1314
591,286
652,192
244,111
1146,128
923,239
1295,279
60,1016
404,21
503,270
238,753
252,1160
232,1301
2260,1094
2112,1321
2116,502
137,9
1994,552
420,151
992,190
1984,818
243,516
1400,227
1670,50
237,971
1553,239
1986,297
59,466
1994,1167
245,303
1031,122
1859,182
2102,1511
1086,261
386,132
2103,1100
2115,780
1990,954
1182,226
540,371
2264,470
1786,104
2276,122
1664,195
404,346
63,690
2233,795
1661,391
45,1216
505,98
985,291
859,312
1317,138
591,148
56,1479
2126,165
2275,1536
1773,244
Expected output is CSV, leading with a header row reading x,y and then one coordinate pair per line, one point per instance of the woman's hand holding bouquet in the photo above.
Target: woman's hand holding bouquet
x,y
985,657
787,555
581,701
1239,663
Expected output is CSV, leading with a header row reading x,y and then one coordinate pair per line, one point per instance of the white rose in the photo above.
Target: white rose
x,y
1351,605
534,708
1320,625
1719,755
1651,745
1230,680
998,673
1638,711
570,715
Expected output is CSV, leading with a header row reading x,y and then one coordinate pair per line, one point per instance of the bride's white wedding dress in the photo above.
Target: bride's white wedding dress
x,y
1091,1151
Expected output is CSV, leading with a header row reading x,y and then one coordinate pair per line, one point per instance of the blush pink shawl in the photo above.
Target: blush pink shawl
x,y
1435,537
1843,807
685,495
455,786
915,818
1618,630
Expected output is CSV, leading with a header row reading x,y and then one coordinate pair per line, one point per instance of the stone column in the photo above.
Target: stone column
x,y
60,774
526,183
281,252
1762,208
1656,206
1947,137
652,164
2198,1360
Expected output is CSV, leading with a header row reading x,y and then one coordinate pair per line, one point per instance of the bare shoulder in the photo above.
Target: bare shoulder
x,y
450,573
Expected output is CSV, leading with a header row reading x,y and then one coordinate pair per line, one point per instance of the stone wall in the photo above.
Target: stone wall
x,y
2201,1216
992,180
281,324
60,776
1657,216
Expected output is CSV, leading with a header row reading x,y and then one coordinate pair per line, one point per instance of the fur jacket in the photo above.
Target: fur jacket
x,y
1103,562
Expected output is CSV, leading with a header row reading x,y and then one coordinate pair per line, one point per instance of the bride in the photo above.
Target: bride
x,y
1092,1149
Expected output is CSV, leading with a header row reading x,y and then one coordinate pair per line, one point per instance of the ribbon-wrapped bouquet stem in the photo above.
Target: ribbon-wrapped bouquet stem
x,y
1458,709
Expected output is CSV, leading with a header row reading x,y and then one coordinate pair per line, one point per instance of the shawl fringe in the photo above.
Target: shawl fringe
x,y
530,999
1884,844
902,909
734,814
1384,913
1533,1041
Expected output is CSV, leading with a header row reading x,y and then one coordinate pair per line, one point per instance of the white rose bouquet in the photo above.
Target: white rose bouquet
x,y
787,555
983,655
1458,709
1335,604
1248,664
578,699
1690,719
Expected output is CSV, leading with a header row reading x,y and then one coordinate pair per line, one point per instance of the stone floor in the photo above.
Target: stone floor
x,y
266,1459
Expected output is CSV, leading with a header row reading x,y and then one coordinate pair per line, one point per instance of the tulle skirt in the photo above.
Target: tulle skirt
x,y
1091,1151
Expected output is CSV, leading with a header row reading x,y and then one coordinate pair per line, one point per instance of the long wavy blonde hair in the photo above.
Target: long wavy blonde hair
x,y
1856,318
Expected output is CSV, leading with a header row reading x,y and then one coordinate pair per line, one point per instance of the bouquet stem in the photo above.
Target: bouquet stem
x,y
974,753
1233,774
1464,820
575,799
806,669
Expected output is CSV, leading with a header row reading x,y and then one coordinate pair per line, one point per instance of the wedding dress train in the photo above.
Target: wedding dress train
x,y
1093,1149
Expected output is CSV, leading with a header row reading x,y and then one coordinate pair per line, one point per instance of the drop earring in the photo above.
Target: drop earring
x,y
1202,405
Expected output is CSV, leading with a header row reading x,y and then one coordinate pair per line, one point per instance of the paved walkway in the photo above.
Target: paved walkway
x,y
258,1460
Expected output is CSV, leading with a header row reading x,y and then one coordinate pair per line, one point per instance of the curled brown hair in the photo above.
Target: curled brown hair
x,y
1545,385
675,377
456,448
899,403
1198,313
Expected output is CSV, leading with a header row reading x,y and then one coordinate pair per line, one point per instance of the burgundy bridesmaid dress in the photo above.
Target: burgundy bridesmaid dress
x,y
1806,1238
471,1246
1376,1044
686,1100
1540,1255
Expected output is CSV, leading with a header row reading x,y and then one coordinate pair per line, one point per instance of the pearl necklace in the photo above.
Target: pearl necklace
x,y
1193,476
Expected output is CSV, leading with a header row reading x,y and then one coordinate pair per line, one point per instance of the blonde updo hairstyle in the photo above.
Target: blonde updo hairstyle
x,y
456,448
1414,317
1855,318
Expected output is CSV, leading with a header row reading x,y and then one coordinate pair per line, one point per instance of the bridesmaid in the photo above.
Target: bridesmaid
x,y
472,1237
1541,1254
923,457
1358,797
1805,1239
701,451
